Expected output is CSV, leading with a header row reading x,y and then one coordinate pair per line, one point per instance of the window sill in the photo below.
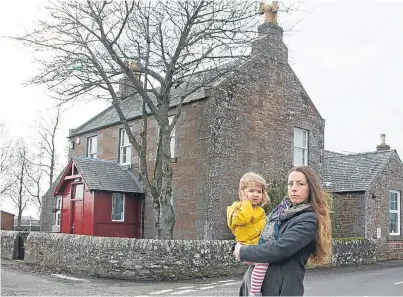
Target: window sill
x,y
395,237
126,165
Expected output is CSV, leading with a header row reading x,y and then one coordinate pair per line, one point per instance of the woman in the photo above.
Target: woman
x,y
298,228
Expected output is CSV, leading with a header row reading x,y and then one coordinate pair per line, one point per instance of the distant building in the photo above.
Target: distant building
x,y
7,220
367,190
28,223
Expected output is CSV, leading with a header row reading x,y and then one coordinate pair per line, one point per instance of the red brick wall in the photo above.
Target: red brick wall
x,y
395,250
7,221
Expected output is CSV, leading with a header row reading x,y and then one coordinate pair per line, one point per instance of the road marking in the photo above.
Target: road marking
x,y
183,288
398,283
208,284
226,281
206,288
183,292
227,284
160,292
69,277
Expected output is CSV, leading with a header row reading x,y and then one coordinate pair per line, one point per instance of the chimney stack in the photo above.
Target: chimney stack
x,y
126,87
134,66
383,146
269,42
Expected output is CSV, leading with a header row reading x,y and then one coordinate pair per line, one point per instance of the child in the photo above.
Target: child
x,y
246,219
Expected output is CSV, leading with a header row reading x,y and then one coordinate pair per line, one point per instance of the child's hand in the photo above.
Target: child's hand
x,y
242,195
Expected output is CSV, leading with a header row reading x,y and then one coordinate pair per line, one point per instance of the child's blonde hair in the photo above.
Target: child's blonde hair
x,y
252,177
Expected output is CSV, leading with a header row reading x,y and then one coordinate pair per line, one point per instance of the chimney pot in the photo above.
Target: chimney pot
x,y
383,146
383,136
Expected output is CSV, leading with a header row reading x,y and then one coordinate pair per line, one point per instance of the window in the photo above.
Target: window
x,y
118,207
394,212
78,191
92,147
58,214
125,154
172,138
300,147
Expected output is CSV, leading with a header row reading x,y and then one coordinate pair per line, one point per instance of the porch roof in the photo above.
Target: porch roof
x,y
103,175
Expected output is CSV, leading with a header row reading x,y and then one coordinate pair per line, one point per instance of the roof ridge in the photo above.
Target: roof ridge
x,y
357,154
95,159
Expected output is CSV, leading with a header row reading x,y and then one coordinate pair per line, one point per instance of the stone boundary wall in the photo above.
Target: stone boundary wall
x,y
150,259
9,244
132,259
353,251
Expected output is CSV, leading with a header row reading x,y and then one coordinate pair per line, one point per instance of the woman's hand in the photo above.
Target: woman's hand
x,y
236,251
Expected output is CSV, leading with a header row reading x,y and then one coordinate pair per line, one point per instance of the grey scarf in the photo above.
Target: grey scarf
x,y
283,211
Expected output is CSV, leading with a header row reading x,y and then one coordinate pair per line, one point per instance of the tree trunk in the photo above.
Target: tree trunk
x,y
163,210
165,221
19,218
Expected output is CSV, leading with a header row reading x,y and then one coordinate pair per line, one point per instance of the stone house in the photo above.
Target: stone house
x,y
261,118
50,218
367,189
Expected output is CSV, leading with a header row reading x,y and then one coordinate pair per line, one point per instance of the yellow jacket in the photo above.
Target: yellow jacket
x,y
245,221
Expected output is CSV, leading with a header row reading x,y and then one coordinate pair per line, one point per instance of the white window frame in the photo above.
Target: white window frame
x,y
300,145
397,211
124,144
78,194
92,146
122,214
172,141
58,213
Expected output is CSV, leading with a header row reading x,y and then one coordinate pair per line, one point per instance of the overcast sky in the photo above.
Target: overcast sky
x,y
347,54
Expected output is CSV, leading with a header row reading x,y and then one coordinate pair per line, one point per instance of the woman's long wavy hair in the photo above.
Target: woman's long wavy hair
x,y
318,200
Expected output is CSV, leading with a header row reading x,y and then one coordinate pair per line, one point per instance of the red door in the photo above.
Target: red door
x,y
77,217
77,209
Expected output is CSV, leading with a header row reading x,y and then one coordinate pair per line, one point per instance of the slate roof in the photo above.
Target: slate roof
x,y
353,172
132,106
105,175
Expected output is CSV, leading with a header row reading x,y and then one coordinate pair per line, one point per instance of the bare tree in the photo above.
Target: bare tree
x,y
48,158
5,160
18,193
149,49
33,183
